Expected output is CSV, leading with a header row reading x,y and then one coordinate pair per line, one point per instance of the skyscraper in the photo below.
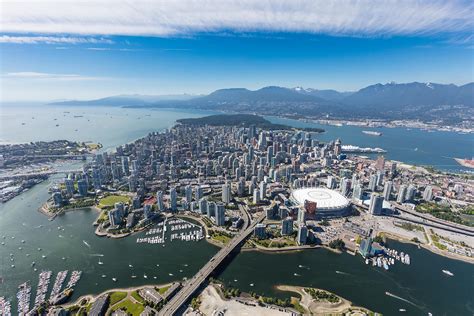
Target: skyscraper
x,y
302,236
287,226
159,201
125,165
357,192
411,192
263,190
226,193
173,200
376,204
188,192
373,182
402,191
387,190
428,193
220,215
82,187
345,186
203,206
198,193
331,182
260,231
69,183
256,196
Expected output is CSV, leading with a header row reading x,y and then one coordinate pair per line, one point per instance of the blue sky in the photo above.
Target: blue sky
x,y
52,52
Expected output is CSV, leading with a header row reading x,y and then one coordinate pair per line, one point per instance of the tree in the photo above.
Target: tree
x,y
337,244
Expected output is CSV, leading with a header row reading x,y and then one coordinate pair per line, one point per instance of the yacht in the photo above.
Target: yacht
x,y
447,272
114,279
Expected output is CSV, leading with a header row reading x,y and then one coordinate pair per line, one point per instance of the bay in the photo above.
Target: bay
x,y
421,283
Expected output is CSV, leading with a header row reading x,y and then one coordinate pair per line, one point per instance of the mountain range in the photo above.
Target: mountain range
x,y
425,101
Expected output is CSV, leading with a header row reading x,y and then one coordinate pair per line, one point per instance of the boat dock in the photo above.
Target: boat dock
x,y
5,307
23,296
42,288
58,283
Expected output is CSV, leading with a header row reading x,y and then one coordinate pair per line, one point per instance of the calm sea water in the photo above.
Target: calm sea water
x,y
413,146
422,283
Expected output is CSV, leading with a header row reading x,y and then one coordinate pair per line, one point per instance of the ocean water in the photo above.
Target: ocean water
x,y
422,283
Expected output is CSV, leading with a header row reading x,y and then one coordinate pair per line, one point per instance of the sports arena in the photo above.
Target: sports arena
x,y
321,202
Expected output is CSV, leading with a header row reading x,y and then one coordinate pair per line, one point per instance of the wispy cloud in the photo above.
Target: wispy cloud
x,y
53,40
48,76
169,18
115,49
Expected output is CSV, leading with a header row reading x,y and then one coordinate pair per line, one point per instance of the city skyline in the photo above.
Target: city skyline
x,y
61,53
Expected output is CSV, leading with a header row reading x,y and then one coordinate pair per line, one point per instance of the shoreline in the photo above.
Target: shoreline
x,y
430,248
128,289
325,307
255,247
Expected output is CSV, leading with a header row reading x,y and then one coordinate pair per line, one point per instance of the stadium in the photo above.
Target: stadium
x,y
321,202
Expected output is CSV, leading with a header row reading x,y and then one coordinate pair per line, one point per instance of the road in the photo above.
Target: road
x,y
433,220
191,286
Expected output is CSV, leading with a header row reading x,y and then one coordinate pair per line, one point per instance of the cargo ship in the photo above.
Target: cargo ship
x,y
372,133
465,162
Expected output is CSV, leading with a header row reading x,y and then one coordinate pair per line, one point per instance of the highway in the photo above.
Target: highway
x,y
191,286
427,220
457,227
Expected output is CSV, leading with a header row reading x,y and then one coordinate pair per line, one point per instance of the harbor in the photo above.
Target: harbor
x,y
56,296
177,228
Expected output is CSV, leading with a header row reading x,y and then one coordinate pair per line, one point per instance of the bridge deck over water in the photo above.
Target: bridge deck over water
x,y
192,285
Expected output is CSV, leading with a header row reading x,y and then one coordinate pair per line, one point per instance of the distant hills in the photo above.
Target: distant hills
x,y
426,101
128,100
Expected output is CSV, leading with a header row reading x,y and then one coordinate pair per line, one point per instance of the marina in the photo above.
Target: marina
x,y
79,253
5,307
42,289
56,296
58,283
180,230
23,297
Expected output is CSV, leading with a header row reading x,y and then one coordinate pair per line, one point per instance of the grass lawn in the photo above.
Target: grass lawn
x,y
117,297
110,200
136,296
221,238
163,289
131,308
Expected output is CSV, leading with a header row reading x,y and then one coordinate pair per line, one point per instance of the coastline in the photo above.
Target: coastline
x,y
128,289
323,307
430,248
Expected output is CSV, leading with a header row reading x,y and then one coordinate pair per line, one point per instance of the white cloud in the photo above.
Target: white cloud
x,y
47,76
52,40
168,18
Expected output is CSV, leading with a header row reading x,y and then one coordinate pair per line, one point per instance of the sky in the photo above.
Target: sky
x,y
55,50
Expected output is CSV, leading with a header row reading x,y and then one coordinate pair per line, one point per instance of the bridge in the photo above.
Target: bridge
x,y
192,285
37,174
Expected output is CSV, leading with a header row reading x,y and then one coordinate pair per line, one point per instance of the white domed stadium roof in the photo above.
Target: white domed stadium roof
x,y
325,199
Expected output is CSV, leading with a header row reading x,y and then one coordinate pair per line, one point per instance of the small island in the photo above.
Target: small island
x,y
242,120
